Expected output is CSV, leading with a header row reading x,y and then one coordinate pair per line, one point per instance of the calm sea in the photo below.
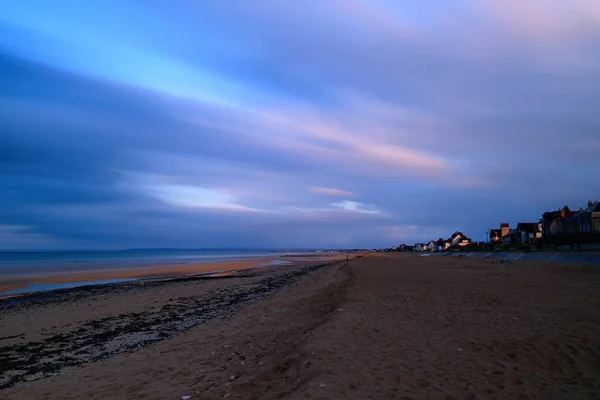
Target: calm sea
x,y
25,262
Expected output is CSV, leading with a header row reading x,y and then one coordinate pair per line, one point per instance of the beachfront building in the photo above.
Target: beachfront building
x,y
554,222
513,236
441,244
459,239
432,246
529,232
569,227
585,220
495,236
420,247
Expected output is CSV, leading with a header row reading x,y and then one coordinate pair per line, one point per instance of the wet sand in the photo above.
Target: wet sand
x,y
170,270
381,327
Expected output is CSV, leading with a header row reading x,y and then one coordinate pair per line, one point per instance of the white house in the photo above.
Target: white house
x,y
431,246
459,239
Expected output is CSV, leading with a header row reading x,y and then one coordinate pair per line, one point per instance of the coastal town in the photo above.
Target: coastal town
x,y
562,229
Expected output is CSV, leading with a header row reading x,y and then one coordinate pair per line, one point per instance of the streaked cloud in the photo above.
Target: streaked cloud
x,y
199,124
354,206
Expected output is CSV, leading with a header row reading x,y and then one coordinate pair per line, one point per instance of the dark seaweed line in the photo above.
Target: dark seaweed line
x,y
91,341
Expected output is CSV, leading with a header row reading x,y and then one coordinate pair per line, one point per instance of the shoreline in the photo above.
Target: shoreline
x,y
57,329
26,283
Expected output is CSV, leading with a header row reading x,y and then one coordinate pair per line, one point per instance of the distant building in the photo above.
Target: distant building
x,y
585,220
431,246
420,247
459,239
495,236
504,229
570,227
441,244
513,236
554,222
529,232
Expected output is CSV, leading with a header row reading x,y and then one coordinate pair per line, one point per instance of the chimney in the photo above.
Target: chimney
x,y
504,228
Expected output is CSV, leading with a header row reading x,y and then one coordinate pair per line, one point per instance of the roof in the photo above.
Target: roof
x,y
529,227
594,207
457,233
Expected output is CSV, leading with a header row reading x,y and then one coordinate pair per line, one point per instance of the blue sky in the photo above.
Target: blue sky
x,y
331,123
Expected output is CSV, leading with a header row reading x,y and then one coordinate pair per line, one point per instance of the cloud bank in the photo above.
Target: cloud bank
x,y
313,124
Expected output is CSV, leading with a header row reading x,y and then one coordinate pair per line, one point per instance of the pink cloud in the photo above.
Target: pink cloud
x,y
543,20
330,191
373,16
351,138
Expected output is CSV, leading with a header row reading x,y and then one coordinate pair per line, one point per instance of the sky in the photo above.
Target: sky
x,y
317,123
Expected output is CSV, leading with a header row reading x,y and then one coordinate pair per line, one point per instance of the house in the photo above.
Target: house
x,y
431,246
459,239
441,244
495,236
565,227
420,247
402,247
529,232
554,222
512,237
504,229
585,220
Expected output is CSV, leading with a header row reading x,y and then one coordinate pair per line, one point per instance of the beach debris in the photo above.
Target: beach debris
x,y
322,385
186,397
12,337
455,349
233,378
340,309
100,338
226,395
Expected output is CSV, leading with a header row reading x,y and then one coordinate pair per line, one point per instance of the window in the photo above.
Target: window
x,y
596,226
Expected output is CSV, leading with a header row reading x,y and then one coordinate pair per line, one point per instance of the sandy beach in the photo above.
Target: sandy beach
x,y
137,272
380,327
